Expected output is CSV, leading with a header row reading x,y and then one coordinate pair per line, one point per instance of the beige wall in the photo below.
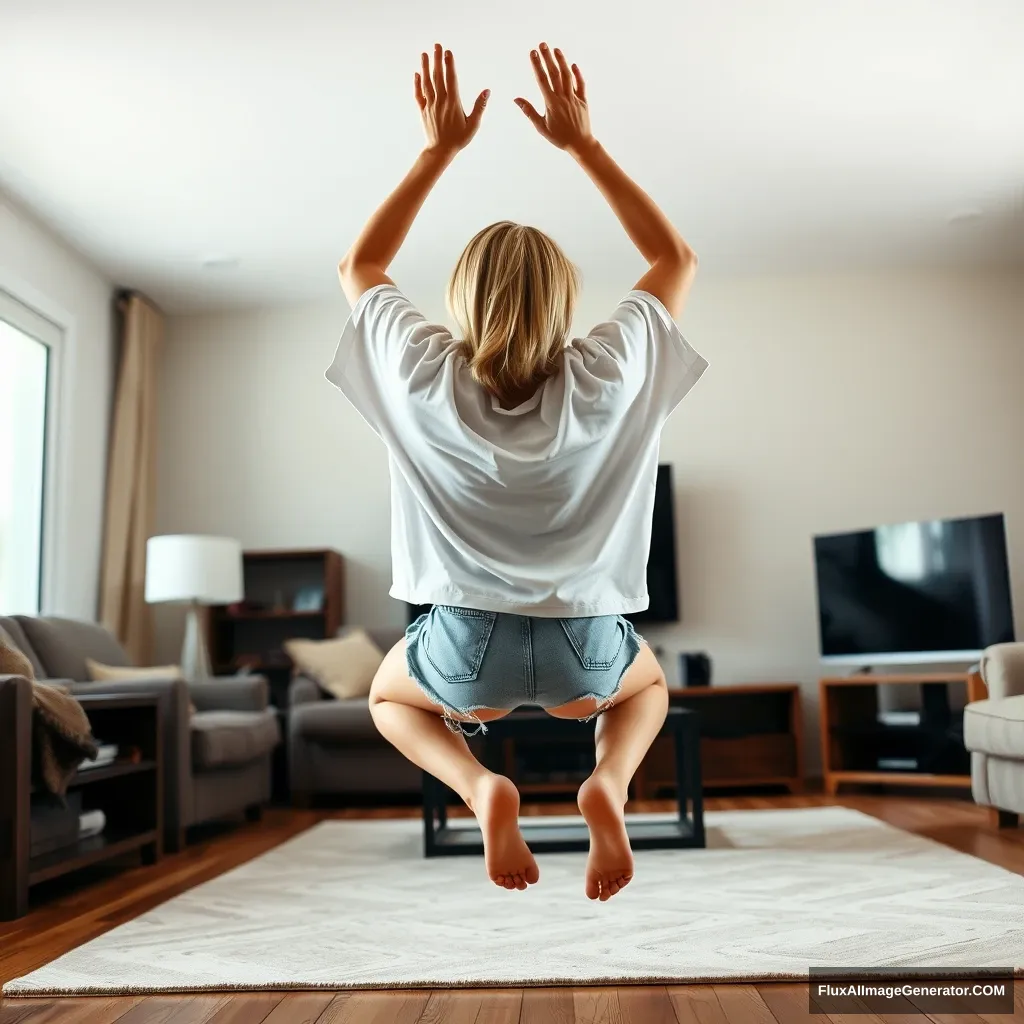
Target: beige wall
x,y
831,403
43,272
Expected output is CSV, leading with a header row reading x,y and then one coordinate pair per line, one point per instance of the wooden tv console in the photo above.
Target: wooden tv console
x,y
751,736
851,736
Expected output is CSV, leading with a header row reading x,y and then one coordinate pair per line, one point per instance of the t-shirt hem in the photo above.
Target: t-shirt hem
x,y
614,605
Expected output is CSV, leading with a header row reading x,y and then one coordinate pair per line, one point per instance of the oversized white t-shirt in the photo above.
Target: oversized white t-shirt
x,y
544,509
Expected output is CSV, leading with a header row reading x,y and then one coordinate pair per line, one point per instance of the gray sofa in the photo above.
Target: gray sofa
x,y
334,747
994,734
217,761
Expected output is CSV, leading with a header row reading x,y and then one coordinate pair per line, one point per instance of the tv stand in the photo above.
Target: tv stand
x,y
857,748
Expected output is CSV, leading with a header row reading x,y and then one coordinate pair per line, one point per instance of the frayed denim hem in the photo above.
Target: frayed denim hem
x,y
633,642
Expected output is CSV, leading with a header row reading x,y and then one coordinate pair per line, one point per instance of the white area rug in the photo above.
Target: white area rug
x,y
354,904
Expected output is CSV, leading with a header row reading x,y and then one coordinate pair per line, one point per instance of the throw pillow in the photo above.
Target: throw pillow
x,y
99,673
344,667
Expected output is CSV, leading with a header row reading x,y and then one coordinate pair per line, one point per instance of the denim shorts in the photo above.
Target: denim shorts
x,y
465,660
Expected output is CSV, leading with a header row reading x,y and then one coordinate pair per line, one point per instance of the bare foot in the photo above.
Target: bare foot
x,y
507,858
610,864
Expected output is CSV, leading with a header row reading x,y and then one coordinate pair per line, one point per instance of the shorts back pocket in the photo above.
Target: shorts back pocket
x,y
597,639
455,641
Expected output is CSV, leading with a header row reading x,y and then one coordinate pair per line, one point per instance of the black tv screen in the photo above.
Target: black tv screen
x,y
661,563
912,592
662,583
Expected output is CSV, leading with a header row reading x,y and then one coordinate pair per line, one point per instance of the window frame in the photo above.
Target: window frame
x,y
47,323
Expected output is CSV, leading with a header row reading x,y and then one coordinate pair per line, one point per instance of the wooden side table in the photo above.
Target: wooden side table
x,y
751,735
128,791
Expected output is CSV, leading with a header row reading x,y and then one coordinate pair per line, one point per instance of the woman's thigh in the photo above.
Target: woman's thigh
x,y
392,683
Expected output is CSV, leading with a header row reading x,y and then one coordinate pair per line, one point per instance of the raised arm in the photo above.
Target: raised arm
x,y
566,125
448,129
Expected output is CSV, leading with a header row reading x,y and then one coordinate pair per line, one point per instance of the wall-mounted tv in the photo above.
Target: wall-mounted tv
x,y
914,592
662,582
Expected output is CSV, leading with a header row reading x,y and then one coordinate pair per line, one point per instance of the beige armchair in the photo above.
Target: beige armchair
x,y
994,734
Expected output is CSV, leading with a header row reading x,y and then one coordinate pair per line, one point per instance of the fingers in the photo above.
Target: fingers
x,y
551,67
581,86
478,109
426,84
451,81
421,99
564,74
528,109
542,76
439,88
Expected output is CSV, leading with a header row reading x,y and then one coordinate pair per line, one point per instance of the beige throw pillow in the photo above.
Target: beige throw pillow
x,y
99,673
344,667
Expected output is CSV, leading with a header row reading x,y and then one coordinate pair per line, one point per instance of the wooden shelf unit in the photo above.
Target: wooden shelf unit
x,y
851,735
751,736
252,635
128,791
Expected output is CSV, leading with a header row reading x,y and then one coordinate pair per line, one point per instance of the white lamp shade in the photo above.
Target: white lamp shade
x,y
185,567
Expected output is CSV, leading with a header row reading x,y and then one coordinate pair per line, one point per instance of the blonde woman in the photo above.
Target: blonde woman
x,y
523,468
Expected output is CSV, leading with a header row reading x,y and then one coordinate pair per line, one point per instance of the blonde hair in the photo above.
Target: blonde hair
x,y
512,293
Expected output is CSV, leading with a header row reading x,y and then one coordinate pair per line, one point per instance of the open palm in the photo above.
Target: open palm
x,y
447,125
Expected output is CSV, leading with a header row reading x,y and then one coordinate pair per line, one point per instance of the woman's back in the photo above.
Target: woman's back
x,y
543,508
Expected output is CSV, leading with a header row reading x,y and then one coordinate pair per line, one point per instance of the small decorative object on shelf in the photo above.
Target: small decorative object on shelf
x,y
309,599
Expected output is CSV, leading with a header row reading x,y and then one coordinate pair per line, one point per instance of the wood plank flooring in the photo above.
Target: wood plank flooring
x,y
69,913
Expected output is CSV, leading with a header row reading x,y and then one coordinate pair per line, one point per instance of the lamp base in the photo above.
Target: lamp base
x,y
195,661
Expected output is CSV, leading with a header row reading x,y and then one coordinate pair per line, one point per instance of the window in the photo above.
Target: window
x,y
26,343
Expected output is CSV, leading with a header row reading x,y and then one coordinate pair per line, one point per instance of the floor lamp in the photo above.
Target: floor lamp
x,y
195,571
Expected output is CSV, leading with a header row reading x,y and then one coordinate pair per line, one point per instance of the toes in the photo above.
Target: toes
x,y
520,882
510,882
593,888
532,875
613,887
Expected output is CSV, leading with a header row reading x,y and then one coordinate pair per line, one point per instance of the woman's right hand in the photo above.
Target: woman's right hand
x,y
565,122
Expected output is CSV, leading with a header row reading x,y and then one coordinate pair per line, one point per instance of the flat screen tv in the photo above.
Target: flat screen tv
x,y
661,563
914,592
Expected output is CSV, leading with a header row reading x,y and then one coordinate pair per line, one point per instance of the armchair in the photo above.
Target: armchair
x,y
994,734
217,757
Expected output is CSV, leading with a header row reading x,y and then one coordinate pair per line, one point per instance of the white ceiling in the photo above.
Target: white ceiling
x,y
778,135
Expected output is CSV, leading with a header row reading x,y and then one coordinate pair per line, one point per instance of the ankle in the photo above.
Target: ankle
x,y
479,788
611,782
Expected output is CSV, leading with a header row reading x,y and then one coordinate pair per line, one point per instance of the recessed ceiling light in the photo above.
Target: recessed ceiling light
x,y
965,217
219,261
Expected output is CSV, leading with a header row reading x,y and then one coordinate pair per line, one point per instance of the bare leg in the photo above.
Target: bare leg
x,y
409,721
624,734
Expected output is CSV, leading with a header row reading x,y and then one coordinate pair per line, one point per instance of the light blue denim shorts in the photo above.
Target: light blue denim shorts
x,y
465,660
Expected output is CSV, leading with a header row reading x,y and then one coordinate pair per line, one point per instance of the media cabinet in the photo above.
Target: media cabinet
x,y
853,740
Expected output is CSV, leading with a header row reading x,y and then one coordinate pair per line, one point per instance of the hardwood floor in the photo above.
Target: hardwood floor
x,y
71,913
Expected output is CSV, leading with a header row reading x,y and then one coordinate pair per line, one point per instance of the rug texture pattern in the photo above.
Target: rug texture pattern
x,y
354,904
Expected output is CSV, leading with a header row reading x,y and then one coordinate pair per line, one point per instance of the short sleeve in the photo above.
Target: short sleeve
x,y
385,344
648,351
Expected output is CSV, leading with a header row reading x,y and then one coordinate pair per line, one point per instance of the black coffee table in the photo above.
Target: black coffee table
x,y
687,831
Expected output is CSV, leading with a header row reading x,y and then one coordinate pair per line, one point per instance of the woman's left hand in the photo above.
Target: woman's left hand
x,y
447,126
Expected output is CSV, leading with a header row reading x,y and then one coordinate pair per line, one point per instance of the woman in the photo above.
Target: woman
x,y
523,468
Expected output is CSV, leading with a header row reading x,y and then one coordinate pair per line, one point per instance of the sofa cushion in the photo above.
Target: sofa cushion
x,y
63,645
996,727
224,738
335,721
13,629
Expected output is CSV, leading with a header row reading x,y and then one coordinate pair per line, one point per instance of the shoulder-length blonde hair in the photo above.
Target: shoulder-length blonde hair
x,y
512,293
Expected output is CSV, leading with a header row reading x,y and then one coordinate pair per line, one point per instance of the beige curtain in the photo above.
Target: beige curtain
x,y
131,479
